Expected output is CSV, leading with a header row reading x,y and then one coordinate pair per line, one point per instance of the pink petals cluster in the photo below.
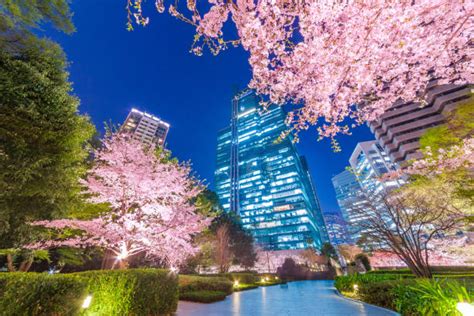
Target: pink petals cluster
x,y
269,261
457,156
151,202
342,59
449,251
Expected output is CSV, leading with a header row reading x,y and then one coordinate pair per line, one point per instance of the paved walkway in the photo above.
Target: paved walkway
x,y
304,298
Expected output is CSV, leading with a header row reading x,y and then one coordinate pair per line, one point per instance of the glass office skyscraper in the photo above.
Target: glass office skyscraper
x,y
352,201
262,179
360,190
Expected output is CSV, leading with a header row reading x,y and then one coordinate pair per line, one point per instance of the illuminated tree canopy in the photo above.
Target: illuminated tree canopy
x,y
329,56
151,202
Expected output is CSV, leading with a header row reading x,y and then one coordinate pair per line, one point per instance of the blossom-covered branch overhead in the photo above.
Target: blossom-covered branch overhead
x,y
330,56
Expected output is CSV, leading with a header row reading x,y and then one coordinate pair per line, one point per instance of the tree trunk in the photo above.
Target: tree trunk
x,y
25,265
123,264
10,265
106,265
418,269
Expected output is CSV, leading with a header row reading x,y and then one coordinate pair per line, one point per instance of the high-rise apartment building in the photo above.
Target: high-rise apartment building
x,y
263,180
146,127
399,129
337,229
352,201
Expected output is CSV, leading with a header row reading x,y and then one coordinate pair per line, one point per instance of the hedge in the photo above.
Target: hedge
x,y
117,292
409,296
438,270
346,283
25,293
382,293
203,296
242,277
204,289
132,292
244,287
190,283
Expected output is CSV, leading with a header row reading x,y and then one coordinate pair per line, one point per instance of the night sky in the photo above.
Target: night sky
x,y
151,69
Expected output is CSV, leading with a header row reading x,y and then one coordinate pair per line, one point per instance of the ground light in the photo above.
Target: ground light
x,y
236,283
465,309
123,253
356,287
87,301
174,270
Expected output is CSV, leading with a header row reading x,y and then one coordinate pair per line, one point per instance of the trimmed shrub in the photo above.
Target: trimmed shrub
x,y
118,292
41,294
408,295
436,271
244,287
192,283
394,271
131,292
203,296
346,283
242,277
381,293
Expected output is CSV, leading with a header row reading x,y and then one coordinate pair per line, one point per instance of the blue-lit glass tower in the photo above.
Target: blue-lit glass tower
x,y
263,179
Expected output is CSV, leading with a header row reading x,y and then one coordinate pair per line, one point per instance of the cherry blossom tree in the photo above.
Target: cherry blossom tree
x,y
223,254
151,204
453,158
408,223
450,251
330,56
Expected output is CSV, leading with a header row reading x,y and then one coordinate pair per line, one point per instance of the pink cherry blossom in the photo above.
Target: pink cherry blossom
x,y
329,56
448,251
455,157
151,204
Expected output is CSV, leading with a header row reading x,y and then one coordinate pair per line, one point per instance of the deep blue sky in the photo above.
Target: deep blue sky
x,y
151,68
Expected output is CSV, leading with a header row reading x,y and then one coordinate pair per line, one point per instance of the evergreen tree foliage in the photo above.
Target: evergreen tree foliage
x,y
42,140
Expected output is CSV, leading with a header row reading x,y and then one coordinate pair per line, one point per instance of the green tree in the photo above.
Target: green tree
x,y
328,250
362,257
20,18
30,14
241,242
207,203
458,127
43,141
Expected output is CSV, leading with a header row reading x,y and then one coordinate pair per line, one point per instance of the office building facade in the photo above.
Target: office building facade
x,y
360,190
399,129
337,229
146,128
264,181
352,201
369,162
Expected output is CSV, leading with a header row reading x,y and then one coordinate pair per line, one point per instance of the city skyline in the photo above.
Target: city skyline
x,y
114,71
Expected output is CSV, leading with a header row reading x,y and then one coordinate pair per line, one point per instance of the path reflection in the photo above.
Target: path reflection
x,y
305,298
